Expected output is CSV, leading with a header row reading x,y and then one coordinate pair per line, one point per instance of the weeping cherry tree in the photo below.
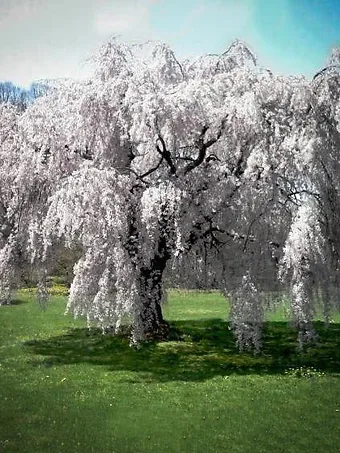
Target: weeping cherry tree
x,y
210,169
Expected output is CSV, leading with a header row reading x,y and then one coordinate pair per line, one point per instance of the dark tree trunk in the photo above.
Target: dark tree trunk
x,y
150,278
151,293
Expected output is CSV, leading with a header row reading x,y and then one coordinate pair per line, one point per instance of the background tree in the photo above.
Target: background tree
x,y
20,97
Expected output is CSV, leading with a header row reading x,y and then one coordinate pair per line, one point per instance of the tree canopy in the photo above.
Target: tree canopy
x,y
211,170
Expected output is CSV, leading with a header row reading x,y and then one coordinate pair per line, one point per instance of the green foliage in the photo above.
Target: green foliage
x,y
56,287
64,388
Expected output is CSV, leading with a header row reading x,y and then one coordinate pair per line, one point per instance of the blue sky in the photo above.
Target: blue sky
x,y
53,38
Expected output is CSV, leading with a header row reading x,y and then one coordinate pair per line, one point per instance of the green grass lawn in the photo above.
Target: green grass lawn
x,y
66,389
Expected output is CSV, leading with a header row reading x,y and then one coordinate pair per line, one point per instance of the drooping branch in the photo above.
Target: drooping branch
x,y
325,70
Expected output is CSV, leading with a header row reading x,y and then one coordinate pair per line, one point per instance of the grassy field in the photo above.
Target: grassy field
x,y
66,389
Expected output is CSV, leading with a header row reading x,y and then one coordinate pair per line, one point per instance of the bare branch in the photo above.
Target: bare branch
x,y
202,147
152,169
165,153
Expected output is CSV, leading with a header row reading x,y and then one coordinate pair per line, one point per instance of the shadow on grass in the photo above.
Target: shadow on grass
x,y
195,351
14,302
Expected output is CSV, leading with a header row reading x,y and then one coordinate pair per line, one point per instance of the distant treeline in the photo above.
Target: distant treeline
x,y
19,96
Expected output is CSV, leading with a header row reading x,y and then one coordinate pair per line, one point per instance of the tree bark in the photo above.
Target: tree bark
x,y
150,278
151,293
